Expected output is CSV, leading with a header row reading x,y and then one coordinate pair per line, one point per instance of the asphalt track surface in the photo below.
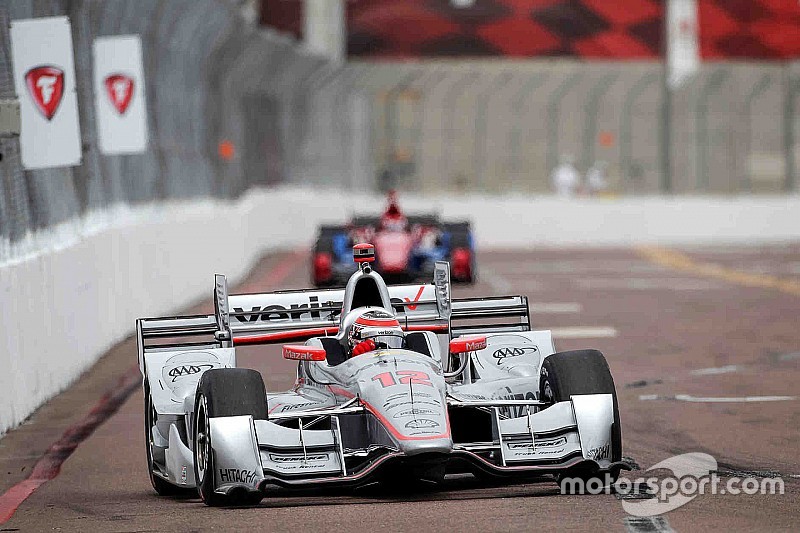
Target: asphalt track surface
x,y
692,324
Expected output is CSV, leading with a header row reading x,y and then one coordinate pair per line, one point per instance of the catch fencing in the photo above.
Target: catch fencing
x,y
504,125
225,105
232,106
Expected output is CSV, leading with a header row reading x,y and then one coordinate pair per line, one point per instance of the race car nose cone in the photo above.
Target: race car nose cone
x,y
416,447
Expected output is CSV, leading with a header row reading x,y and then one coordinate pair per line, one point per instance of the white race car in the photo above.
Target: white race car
x,y
439,386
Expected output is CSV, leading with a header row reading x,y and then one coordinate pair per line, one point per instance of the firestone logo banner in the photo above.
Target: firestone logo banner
x,y
119,89
44,79
119,98
46,87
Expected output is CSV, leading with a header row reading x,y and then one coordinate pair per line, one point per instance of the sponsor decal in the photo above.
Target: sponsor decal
x,y
187,370
516,410
415,300
292,407
422,423
119,89
183,475
601,452
298,458
540,443
303,353
46,87
541,446
234,475
414,412
304,312
501,354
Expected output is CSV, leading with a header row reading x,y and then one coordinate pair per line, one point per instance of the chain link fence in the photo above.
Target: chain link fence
x,y
213,78
504,125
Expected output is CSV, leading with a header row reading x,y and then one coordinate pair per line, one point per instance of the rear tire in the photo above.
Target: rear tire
x,y
161,485
324,245
224,392
461,238
581,372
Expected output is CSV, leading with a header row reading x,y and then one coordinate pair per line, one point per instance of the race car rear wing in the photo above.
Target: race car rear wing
x,y
274,317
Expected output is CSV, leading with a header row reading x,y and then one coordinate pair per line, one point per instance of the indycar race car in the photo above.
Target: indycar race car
x,y
407,247
434,386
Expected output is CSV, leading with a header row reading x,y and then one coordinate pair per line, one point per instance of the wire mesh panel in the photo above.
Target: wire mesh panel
x,y
501,126
231,106
226,106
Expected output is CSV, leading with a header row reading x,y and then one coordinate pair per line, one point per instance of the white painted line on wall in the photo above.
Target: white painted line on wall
x,y
556,307
584,332
715,370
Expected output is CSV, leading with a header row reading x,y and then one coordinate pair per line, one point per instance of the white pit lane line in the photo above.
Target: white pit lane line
x,y
715,370
647,284
584,332
555,307
700,399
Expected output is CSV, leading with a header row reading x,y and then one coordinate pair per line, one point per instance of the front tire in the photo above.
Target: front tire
x,y
224,392
581,372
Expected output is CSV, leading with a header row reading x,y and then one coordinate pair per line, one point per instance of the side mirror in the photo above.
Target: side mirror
x,y
297,352
467,344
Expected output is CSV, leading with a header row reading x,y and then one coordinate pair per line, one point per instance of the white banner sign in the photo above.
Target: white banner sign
x,y
119,95
44,78
683,54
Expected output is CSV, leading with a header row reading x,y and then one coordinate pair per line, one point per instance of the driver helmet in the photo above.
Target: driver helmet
x,y
373,329
393,218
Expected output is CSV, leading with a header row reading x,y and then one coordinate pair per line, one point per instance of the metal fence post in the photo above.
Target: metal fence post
x,y
449,125
761,85
626,126
527,89
554,116
590,124
417,130
481,151
791,87
714,82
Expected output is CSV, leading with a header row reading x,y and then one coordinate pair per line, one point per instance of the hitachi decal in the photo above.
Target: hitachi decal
x,y
234,475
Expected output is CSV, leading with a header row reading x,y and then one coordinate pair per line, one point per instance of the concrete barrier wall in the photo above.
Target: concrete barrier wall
x,y
64,304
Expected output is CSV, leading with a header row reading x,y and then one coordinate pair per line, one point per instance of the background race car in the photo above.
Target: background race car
x,y
407,246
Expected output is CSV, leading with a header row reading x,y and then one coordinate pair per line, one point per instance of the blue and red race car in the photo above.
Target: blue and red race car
x,y
406,246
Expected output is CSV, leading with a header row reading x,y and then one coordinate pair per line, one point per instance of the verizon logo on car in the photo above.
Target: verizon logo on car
x,y
46,88
119,89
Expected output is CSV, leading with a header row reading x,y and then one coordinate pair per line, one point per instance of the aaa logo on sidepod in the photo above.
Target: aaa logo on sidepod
x,y
119,88
46,87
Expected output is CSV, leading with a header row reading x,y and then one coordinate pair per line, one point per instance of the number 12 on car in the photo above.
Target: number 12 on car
x,y
403,377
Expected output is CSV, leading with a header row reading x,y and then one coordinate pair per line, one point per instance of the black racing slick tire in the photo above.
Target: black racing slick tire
x,y
224,392
581,372
324,245
160,485
461,238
